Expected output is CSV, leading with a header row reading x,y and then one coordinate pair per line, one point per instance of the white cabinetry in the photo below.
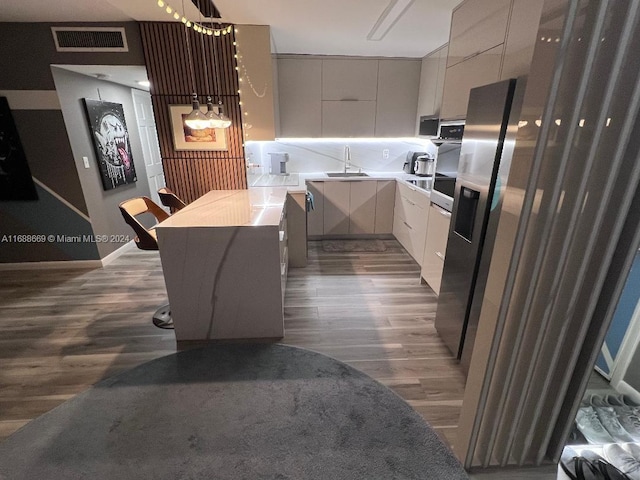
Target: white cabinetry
x,y
315,217
351,207
385,200
347,97
435,247
398,84
462,77
410,219
348,118
336,207
432,72
521,38
362,207
349,79
490,40
300,97
477,26
254,50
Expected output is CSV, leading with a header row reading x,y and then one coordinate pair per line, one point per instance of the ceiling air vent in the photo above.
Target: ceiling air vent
x,y
90,39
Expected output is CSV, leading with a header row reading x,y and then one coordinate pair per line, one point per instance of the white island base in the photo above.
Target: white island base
x,y
224,259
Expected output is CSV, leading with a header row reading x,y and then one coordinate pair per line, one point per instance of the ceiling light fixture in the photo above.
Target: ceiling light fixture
x,y
219,119
388,19
196,119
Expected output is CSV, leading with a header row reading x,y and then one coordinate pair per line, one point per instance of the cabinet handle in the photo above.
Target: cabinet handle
x,y
281,235
408,225
470,56
410,202
442,212
349,100
440,256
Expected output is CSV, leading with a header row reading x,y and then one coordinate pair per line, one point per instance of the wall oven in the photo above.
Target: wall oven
x,y
447,159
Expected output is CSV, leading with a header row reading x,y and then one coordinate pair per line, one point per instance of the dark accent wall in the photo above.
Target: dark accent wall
x,y
28,51
193,173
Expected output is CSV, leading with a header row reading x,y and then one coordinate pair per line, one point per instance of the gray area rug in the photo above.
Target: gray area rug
x,y
353,246
232,412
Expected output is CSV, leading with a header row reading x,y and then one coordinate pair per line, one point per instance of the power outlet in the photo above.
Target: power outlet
x,y
85,160
385,153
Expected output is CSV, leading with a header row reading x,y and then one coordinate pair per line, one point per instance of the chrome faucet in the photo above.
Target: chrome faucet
x,y
347,158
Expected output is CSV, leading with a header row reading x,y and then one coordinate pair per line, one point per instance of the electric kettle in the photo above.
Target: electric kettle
x,y
425,166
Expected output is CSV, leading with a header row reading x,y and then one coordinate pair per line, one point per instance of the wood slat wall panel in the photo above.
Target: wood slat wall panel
x,y
191,174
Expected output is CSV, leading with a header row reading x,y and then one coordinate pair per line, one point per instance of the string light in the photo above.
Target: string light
x,y
195,25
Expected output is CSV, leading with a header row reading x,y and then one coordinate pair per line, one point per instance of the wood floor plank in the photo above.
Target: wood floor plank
x,y
66,329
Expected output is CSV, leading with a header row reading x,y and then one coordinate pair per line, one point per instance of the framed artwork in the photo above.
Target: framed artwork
x,y
185,138
16,182
110,139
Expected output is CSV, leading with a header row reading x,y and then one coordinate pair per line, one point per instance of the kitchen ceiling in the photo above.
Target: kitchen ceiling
x,y
329,27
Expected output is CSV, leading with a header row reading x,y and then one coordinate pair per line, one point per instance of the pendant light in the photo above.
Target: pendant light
x,y
196,119
220,120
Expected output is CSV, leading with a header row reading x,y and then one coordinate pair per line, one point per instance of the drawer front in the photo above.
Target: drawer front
x,y
401,230
415,195
432,267
438,231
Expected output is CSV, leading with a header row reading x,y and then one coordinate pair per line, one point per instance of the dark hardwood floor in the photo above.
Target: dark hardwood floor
x,y
64,330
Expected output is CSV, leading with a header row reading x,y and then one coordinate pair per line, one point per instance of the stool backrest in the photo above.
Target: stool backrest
x,y
130,209
170,199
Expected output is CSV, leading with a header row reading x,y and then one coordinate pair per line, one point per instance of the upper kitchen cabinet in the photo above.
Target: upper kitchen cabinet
x,y
253,44
490,40
398,84
322,96
348,118
462,77
349,79
300,97
521,38
432,73
477,26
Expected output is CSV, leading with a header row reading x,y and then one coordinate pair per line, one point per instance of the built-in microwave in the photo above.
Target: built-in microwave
x,y
449,143
428,126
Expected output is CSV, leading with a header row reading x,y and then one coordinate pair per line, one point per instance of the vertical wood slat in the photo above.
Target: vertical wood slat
x,y
192,173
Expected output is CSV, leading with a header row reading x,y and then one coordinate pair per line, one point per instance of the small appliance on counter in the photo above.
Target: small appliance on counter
x,y
425,165
410,162
279,163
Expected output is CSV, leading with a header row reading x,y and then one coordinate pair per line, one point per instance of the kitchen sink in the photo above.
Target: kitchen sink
x,y
346,174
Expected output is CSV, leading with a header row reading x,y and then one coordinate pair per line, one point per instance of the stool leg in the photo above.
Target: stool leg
x,y
162,317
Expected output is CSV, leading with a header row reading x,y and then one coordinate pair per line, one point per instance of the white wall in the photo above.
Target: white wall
x,y
316,155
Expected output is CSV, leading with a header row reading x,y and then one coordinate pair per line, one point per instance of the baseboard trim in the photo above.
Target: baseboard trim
x,y
117,253
68,264
79,264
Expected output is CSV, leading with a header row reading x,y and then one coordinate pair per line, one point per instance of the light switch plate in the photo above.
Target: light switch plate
x,y
86,162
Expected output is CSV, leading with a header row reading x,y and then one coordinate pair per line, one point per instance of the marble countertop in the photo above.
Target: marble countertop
x,y
232,208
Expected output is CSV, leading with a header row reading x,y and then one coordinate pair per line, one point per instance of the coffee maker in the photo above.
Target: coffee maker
x,y
410,162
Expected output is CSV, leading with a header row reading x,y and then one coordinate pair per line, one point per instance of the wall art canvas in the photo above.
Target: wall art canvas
x,y
185,138
16,182
110,139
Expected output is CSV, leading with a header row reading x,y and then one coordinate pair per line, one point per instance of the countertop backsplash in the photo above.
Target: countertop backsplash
x,y
311,155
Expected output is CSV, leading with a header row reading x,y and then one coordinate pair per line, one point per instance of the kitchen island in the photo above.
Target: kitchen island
x,y
224,259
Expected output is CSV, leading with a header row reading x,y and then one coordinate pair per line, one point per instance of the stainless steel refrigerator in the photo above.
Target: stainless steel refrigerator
x,y
485,157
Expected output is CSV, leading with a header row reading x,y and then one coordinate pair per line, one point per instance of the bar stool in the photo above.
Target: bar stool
x,y
146,239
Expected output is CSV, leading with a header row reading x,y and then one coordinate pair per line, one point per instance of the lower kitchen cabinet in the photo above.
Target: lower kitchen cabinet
x,y
315,217
362,207
336,208
297,229
435,247
410,219
385,200
351,207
